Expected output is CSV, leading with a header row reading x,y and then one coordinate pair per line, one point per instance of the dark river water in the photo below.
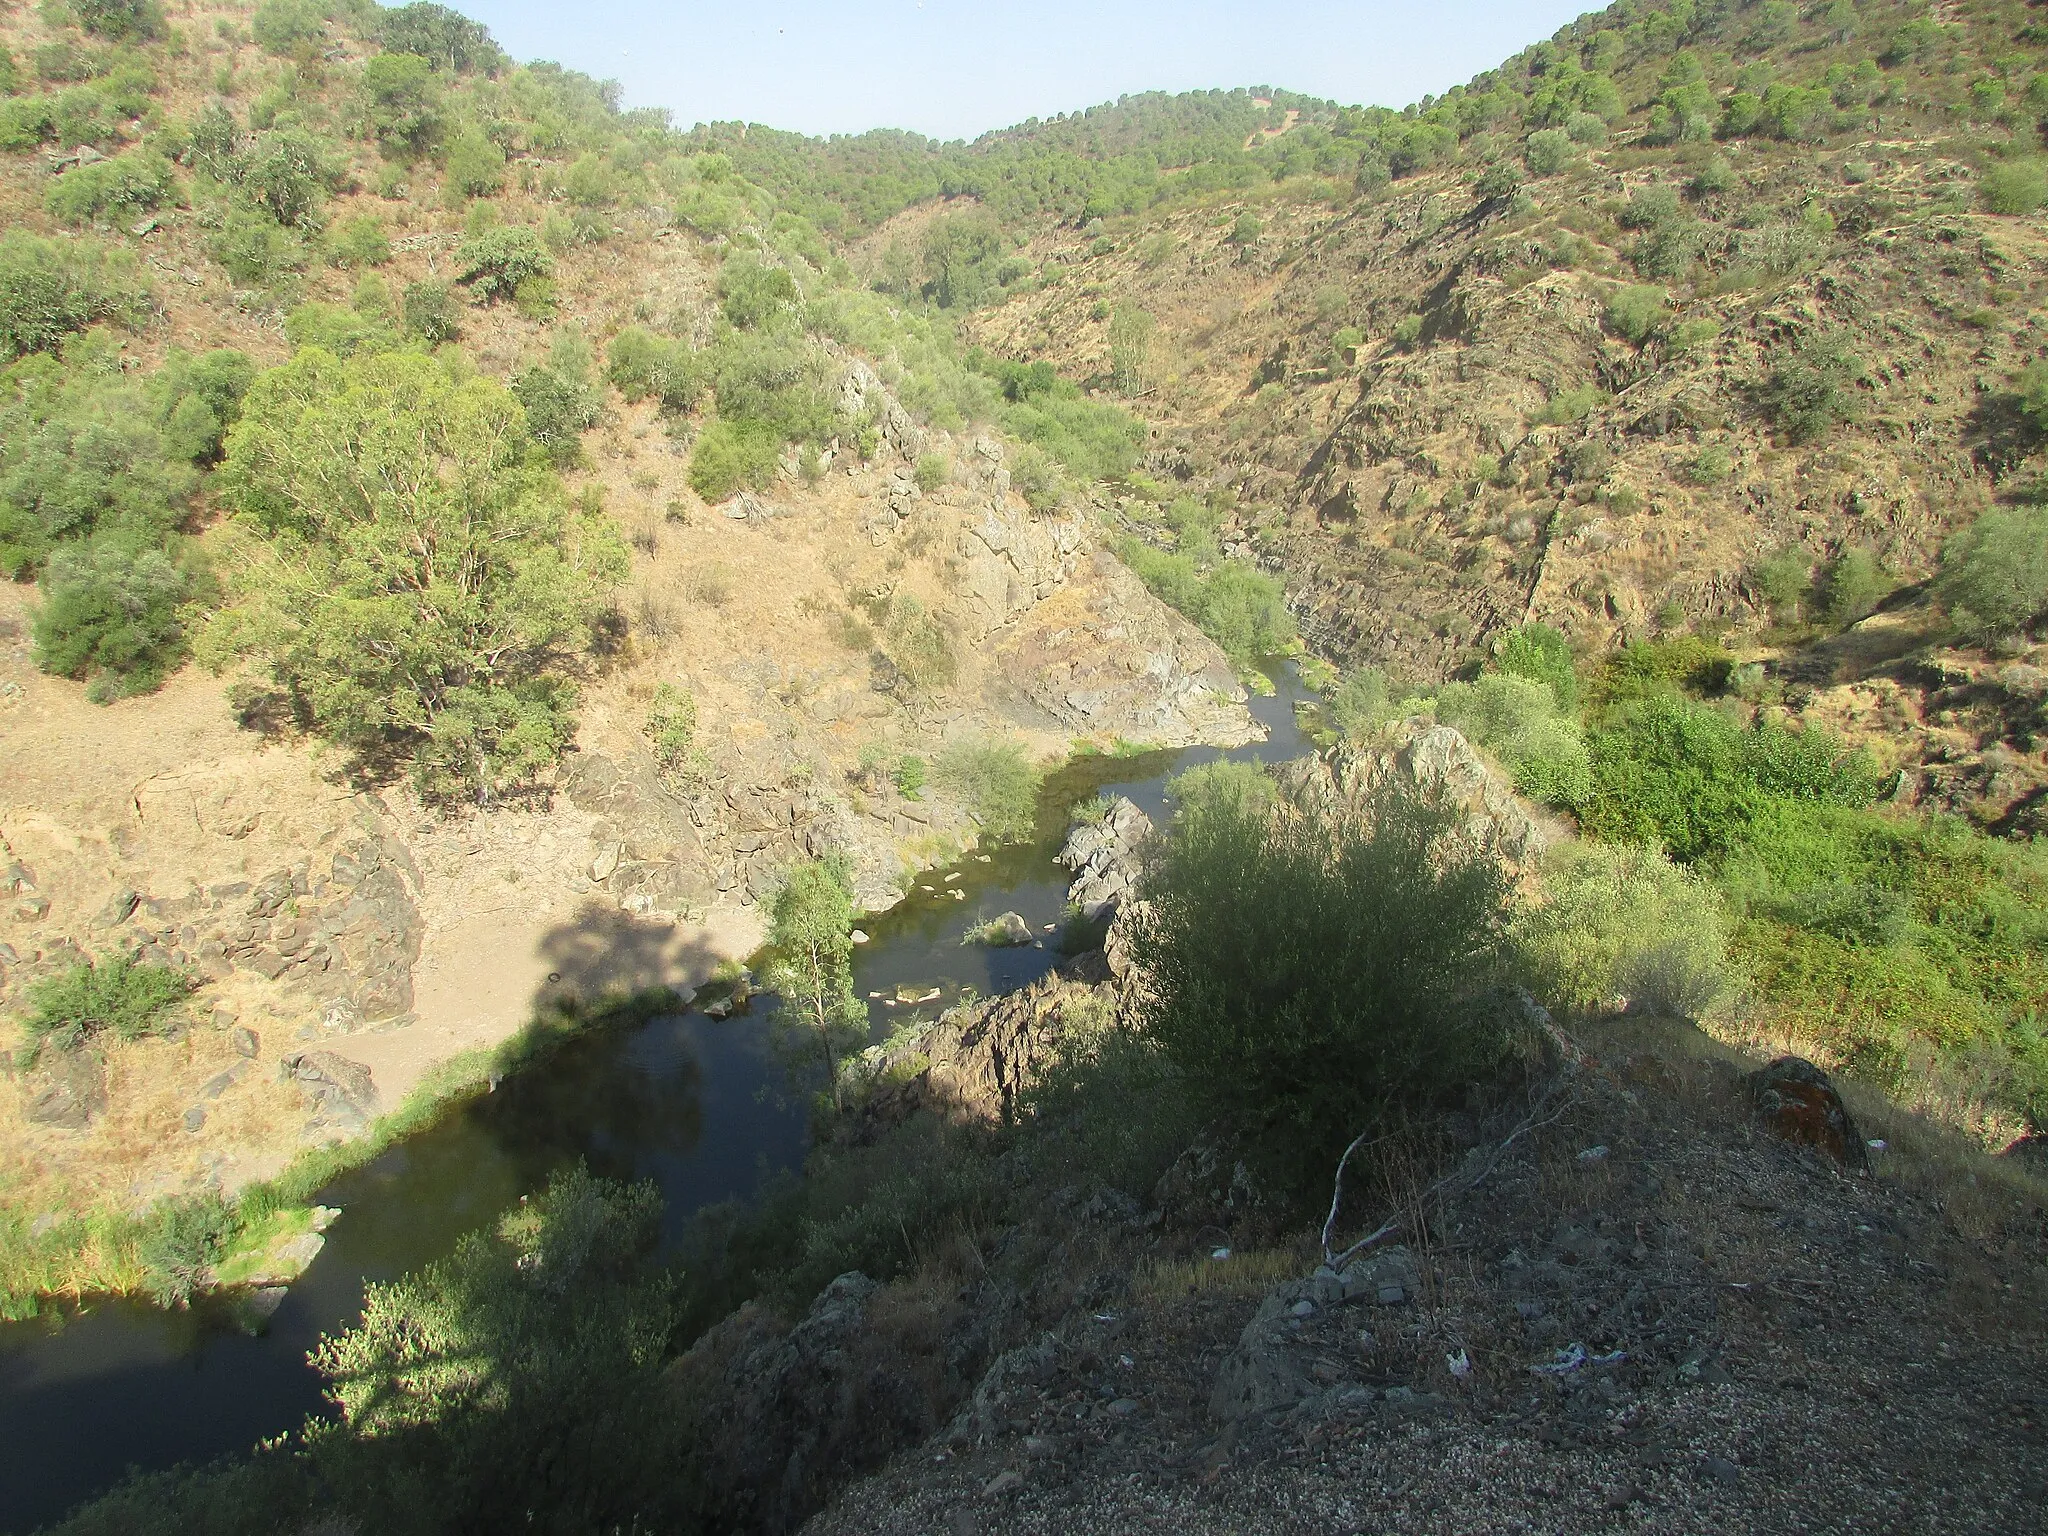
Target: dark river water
x,y
693,1103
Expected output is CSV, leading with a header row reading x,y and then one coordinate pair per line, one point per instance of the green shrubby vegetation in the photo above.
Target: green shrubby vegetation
x,y
110,995
1994,574
996,782
820,1021
1305,979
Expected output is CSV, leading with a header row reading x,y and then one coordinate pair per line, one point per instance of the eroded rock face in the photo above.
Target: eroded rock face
x,y
1434,762
1104,858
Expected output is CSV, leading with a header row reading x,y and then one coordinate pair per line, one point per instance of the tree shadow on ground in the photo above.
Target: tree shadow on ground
x,y
604,952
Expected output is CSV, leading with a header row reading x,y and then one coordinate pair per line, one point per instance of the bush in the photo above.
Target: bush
x,y
931,472
282,26
997,784
1540,653
111,995
496,263
475,166
1635,312
430,312
360,242
111,617
1850,587
732,455
753,295
908,776
116,189
1808,392
560,405
1364,702
671,726
1994,574
403,104
1685,776
643,366
1243,610
1624,922
414,577
336,328
1307,977
181,1239
2015,186
120,20
253,249
445,38
1517,720
1784,579
1549,151
50,289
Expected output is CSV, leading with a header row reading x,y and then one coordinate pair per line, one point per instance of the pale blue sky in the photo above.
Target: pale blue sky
x,y
954,69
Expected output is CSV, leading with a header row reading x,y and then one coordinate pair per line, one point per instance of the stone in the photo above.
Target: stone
x,y
68,1091
1797,1102
340,1091
285,1260
1007,1481
195,1118
607,862
1387,1277
1124,1407
244,1040
1005,932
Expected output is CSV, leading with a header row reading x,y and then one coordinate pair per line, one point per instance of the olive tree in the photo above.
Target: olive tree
x,y
413,572
811,934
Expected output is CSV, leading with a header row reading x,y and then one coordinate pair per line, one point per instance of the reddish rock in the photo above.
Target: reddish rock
x,y
1797,1102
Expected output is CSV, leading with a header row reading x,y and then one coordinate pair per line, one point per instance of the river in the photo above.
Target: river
x,y
690,1102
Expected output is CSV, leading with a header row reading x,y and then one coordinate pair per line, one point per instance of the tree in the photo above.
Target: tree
x,y
1130,347
412,573
288,172
111,616
496,262
1636,311
404,104
1543,655
446,39
811,934
283,26
49,290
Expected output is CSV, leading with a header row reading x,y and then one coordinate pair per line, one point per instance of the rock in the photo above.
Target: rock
x,y
244,1040
1005,932
1435,763
1387,1277
341,1092
1205,1186
1260,1374
1104,857
117,910
1797,1102
195,1118
1124,1407
607,861
285,1260
1012,1374
1006,1481
68,1091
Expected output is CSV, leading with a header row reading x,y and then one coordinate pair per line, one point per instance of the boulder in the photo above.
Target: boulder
x,y
68,1091
1104,856
340,1091
1006,932
1796,1101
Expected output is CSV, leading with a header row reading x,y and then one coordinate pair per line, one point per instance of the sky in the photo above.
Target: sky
x,y
956,68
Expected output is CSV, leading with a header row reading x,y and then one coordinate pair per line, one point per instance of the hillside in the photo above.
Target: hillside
x,y
479,556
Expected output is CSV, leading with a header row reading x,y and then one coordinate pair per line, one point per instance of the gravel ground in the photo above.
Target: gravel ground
x,y
1788,1347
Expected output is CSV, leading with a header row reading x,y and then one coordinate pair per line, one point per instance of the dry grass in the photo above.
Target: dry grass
x,y
1245,1273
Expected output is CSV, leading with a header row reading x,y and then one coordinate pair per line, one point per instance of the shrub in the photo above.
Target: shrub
x,y
429,311
810,930
1635,312
753,294
731,455
498,262
672,726
1569,405
1517,720
2015,186
1221,788
1994,574
253,249
1365,701
180,1241
282,26
361,242
1784,579
1850,587
1685,776
921,644
932,472
116,189
1549,151
642,366
111,617
335,328
120,20
403,104
414,577
1307,977
560,405
475,166
110,995
997,784
1809,391
908,776
1246,229
1624,922
1243,610
1540,653
49,289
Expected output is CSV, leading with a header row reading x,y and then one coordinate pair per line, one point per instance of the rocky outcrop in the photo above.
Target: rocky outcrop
x,y
1272,1365
339,1092
67,1091
976,1061
779,1416
1433,762
1104,856
1103,657
1795,1100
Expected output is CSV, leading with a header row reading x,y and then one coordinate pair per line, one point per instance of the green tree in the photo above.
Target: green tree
x,y
810,933
415,575
1636,312
1542,654
475,166
753,294
49,290
1549,151
1808,391
430,312
445,38
288,172
282,27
